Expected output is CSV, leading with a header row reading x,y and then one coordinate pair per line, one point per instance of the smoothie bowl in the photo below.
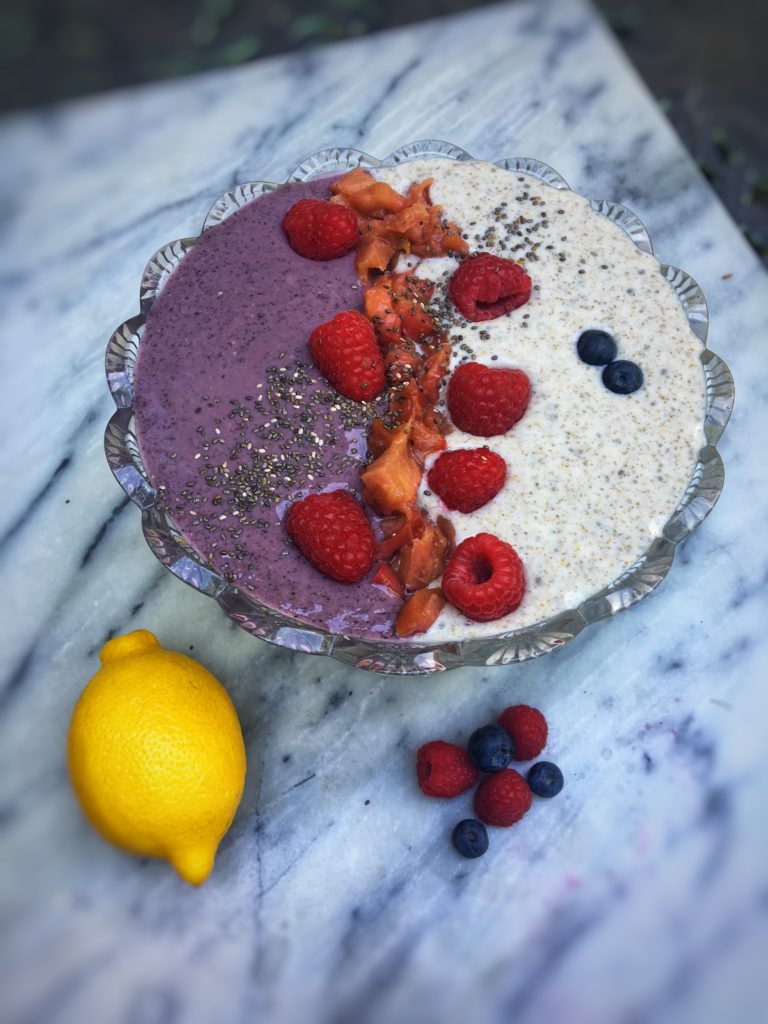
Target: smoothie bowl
x,y
478,369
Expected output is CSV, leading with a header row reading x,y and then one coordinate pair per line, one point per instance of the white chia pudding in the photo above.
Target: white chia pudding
x,y
592,476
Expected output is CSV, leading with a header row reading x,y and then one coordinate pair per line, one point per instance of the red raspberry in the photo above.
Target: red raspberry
x,y
484,401
527,727
467,479
502,798
346,353
444,769
320,230
332,532
484,578
486,287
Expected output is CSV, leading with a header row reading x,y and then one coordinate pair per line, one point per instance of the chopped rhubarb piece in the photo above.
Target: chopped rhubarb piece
x,y
385,577
423,560
392,480
419,612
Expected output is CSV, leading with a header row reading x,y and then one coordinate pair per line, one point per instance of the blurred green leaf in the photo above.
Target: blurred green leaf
x,y
245,48
369,7
207,25
310,25
18,33
80,41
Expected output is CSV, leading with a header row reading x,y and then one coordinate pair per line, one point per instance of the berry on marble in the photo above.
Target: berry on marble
x,y
470,837
545,779
528,729
490,748
503,798
444,769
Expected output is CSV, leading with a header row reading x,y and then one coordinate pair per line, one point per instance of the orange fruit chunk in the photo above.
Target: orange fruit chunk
x,y
419,612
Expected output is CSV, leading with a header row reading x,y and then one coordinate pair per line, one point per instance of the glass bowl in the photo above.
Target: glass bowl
x,y
401,656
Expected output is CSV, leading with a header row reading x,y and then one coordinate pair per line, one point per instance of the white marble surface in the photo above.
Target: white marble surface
x,y
640,895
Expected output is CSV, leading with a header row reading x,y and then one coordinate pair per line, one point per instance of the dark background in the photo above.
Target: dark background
x,y
704,60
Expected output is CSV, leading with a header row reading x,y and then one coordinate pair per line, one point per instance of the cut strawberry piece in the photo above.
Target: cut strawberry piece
x,y
419,612
392,480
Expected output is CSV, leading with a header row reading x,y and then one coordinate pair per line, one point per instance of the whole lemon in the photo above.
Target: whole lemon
x,y
156,754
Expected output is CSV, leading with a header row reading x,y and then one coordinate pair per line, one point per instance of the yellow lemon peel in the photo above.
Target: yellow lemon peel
x,y
156,754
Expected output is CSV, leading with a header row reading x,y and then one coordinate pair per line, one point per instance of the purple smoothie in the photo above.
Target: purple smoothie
x,y
233,420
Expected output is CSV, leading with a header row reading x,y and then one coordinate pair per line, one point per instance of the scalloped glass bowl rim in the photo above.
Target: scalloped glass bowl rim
x,y
399,656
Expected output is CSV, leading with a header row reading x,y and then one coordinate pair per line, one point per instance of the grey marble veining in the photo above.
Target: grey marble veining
x,y
640,895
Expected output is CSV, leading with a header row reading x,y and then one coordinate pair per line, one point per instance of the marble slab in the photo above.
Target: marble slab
x,y
640,895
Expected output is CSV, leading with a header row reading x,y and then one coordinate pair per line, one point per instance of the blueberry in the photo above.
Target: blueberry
x,y
490,748
623,377
545,779
470,838
596,348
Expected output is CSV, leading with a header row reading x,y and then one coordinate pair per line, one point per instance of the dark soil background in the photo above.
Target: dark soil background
x,y
704,60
